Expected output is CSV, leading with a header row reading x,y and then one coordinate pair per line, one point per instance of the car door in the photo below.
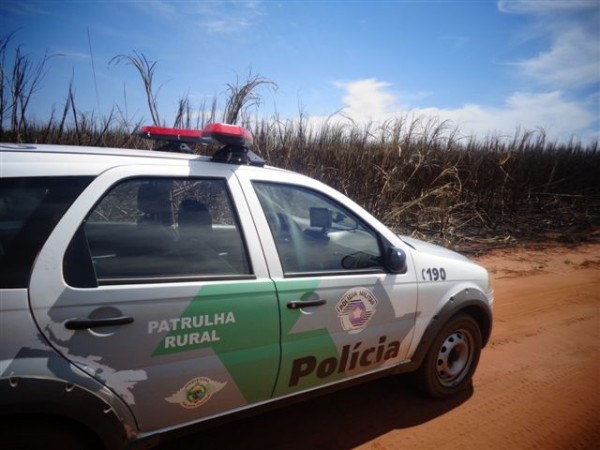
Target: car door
x,y
154,284
342,314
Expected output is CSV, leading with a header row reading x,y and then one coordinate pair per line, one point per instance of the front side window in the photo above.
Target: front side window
x,y
163,229
315,234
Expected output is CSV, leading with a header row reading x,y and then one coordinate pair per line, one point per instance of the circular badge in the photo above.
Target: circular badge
x,y
356,308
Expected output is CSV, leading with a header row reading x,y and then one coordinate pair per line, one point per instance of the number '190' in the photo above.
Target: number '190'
x,y
433,274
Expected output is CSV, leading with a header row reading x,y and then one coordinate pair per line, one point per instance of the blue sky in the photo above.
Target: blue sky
x,y
489,67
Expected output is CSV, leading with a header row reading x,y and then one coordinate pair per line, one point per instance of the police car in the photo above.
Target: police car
x,y
145,291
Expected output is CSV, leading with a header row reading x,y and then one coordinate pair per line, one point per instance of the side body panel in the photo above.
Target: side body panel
x,y
33,378
443,281
324,344
318,348
193,350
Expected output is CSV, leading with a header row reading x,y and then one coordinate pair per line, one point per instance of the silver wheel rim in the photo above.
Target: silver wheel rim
x,y
454,358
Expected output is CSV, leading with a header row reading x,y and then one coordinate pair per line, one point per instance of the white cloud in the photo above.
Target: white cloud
x,y
23,8
573,61
158,8
366,98
573,58
558,102
367,101
229,17
559,117
544,6
71,55
214,17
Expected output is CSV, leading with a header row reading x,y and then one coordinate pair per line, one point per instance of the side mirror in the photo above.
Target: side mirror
x,y
395,260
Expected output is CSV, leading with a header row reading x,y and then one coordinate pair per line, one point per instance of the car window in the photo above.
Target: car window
x,y
30,207
164,229
315,234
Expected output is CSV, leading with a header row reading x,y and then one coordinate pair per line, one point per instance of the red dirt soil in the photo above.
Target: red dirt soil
x,y
537,385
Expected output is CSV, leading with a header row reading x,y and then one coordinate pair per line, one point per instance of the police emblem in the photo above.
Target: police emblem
x,y
356,308
196,392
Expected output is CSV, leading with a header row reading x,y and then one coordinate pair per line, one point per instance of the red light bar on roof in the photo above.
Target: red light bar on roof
x,y
221,132
171,134
235,140
228,134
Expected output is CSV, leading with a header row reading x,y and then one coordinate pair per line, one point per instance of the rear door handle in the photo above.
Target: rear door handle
x,y
82,324
296,304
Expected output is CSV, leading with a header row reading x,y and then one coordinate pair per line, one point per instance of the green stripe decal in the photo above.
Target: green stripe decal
x,y
239,321
316,342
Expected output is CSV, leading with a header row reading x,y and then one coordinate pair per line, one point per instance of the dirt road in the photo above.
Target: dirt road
x,y
537,386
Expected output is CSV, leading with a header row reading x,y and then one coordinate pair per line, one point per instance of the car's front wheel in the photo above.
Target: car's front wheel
x,y
452,358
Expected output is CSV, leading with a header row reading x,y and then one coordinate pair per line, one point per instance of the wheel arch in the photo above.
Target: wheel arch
x,y
483,319
468,301
34,398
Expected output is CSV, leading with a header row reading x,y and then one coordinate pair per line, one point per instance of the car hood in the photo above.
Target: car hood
x,y
432,249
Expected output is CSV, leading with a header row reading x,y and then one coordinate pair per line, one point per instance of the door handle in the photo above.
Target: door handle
x,y
296,304
82,324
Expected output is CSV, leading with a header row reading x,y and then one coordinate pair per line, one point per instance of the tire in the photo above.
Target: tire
x,y
44,434
452,358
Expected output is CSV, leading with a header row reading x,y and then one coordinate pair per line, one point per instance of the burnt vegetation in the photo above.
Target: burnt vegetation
x,y
419,176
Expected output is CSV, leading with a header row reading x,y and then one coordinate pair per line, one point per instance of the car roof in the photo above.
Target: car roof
x,y
48,159
83,150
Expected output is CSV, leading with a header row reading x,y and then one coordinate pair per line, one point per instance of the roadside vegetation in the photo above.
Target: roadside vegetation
x,y
418,175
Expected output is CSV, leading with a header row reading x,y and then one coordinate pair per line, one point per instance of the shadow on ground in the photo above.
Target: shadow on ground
x,y
342,420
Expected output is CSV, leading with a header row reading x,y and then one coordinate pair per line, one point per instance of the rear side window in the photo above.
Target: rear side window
x,y
152,230
30,208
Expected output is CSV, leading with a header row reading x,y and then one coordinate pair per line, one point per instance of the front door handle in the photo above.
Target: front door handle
x,y
82,324
296,304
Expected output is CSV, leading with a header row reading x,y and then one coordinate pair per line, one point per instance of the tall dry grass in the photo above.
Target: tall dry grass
x,y
458,192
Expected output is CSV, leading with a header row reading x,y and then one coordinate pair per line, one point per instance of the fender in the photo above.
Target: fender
x,y
471,301
22,396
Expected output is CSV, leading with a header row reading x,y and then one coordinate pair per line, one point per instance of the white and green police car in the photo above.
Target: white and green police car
x,y
145,291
